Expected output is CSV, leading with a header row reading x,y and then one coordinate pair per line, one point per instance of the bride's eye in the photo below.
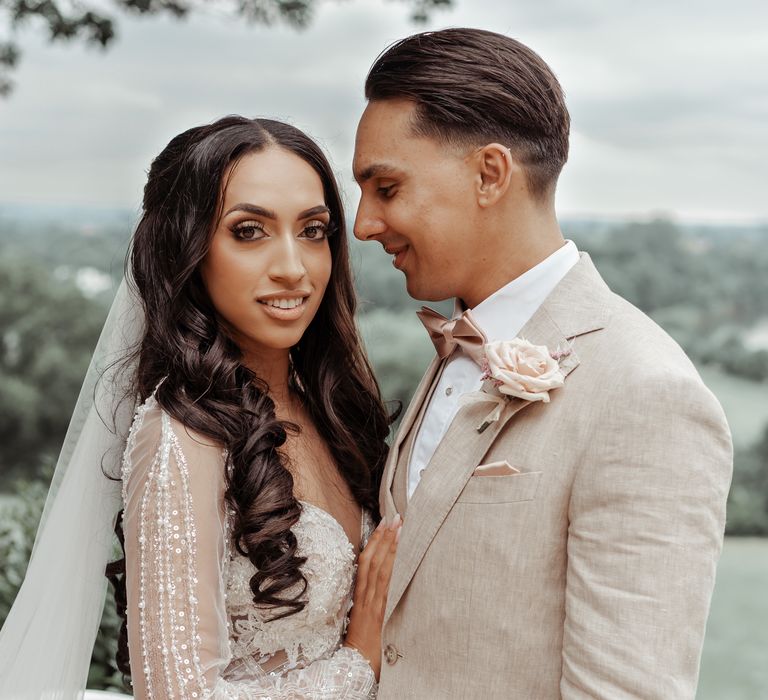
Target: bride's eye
x,y
248,231
315,231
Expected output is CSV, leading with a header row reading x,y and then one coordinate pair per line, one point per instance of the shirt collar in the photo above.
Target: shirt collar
x,y
503,314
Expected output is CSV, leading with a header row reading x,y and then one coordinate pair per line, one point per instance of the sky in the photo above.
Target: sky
x,y
668,100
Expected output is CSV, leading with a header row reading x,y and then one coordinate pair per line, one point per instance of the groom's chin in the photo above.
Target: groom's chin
x,y
423,291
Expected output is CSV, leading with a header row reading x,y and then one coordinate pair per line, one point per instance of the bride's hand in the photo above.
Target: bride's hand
x,y
370,597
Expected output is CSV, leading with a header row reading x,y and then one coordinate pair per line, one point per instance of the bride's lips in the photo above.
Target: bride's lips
x,y
291,314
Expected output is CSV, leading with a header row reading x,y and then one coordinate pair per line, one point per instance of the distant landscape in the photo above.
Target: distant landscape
x,y
706,285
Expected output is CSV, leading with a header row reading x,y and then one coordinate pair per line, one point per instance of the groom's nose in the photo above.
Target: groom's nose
x,y
367,223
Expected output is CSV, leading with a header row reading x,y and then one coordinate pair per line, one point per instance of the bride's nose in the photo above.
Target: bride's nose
x,y
287,262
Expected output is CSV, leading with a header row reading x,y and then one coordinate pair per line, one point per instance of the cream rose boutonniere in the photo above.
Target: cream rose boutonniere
x,y
517,368
521,369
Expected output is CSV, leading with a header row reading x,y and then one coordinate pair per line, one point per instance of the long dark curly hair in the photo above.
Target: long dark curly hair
x,y
205,384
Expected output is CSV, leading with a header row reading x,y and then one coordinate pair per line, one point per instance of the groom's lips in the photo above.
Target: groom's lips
x,y
399,254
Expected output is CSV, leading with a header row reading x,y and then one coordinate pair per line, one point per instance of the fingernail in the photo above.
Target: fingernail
x,y
397,535
382,524
396,521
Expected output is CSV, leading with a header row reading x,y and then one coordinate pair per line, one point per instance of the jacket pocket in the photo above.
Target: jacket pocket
x,y
500,489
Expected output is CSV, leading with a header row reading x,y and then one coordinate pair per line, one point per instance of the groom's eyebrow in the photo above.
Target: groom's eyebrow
x,y
375,170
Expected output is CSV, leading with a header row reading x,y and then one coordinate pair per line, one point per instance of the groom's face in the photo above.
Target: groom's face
x,y
417,200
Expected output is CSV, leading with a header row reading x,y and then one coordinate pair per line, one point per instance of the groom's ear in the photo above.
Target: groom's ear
x,y
496,172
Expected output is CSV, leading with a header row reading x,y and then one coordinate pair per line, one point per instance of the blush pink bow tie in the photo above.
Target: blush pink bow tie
x,y
447,334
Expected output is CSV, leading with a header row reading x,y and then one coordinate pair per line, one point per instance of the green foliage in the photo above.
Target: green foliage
x,y
744,402
706,288
644,263
103,673
748,499
47,332
19,517
59,246
399,350
731,355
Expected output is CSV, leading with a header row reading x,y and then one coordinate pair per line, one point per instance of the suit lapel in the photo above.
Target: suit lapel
x,y
386,502
463,446
456,456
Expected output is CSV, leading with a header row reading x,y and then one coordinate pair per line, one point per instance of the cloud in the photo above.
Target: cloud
x,y
668,102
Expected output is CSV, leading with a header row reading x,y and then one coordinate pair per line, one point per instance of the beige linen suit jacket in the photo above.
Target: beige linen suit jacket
x,y
588,574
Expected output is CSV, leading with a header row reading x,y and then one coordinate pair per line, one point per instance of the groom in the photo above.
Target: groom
x,y
564,517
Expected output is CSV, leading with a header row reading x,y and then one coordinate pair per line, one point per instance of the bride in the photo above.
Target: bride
x,y
250,472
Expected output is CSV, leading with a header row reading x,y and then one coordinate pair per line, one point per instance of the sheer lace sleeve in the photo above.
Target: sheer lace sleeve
x,y
177,555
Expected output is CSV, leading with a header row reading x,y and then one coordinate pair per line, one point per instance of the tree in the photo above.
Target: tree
x,y
19,517
48,329
748,499
70,20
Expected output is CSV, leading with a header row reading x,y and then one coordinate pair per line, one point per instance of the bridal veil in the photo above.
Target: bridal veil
x,y
47,639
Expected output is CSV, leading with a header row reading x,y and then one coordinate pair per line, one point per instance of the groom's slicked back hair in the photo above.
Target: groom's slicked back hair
x,y
472,87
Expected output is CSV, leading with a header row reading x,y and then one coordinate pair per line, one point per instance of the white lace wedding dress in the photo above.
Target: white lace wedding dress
x,y
193,629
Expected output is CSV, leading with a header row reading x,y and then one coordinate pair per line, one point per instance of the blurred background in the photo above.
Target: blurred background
x,y
665,188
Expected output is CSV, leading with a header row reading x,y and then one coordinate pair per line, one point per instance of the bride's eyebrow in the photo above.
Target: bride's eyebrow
x,y
269,214
252,209
314,211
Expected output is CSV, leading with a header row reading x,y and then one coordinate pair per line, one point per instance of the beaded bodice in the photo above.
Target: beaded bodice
x,y
314,631
193,628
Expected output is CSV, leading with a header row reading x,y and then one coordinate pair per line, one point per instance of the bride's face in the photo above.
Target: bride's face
x,y
269,261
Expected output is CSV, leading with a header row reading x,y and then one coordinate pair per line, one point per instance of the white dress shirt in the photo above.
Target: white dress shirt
x,y
501,317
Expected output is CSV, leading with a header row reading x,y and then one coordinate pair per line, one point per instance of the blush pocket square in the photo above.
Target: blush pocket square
x,y
502,468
